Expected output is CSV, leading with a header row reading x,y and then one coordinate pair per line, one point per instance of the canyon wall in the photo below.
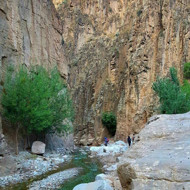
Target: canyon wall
x,y
116,50
30,34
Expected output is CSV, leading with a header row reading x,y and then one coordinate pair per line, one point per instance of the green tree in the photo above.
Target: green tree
x,y
109,121
172,99
186,88
36,101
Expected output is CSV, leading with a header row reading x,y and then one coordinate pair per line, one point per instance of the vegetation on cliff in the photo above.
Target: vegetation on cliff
x,y
109,121
173,97
186,86
36,101
187,70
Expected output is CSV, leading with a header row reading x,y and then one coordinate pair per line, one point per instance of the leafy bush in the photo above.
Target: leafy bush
x,y
186,88
36,101
109,121
187,70
172,99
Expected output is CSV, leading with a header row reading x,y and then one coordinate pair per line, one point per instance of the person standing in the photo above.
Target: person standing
x,y
129,140
106,141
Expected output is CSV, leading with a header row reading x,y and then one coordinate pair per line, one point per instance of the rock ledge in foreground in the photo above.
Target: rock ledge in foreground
x,y
161,159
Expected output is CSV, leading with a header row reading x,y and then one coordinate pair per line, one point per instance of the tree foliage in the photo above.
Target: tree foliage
x,y
37,100
172,99
186,89
109,121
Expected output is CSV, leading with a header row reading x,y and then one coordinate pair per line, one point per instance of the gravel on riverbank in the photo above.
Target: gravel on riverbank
x,y
29,166
55,180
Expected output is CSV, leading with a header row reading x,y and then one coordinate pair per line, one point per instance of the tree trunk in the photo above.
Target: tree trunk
x,y
16,138
25,143
44,137
28,140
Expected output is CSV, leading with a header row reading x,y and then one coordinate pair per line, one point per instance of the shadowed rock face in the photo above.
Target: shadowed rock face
x,y
30,34
161,159
116,49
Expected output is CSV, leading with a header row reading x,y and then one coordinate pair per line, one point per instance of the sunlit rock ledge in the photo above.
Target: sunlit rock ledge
x,y
161,159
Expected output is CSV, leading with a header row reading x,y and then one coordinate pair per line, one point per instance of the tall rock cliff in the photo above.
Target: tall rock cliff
x,y
116,49
30,34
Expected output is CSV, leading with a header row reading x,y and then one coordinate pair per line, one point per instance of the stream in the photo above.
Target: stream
x,y
80,158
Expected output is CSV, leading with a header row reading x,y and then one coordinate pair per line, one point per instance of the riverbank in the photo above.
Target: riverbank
x,y
51,171
109,156
55,181
56,171
27,166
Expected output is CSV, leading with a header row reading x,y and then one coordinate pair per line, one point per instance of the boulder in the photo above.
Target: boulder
x,y
101,177
97,185
112,180
160,160
38,147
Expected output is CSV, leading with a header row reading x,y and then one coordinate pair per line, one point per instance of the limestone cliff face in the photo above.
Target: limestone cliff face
x,y
160,160
116,49
30,33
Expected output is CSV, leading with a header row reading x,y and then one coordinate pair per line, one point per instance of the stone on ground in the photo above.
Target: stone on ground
x,y
38,147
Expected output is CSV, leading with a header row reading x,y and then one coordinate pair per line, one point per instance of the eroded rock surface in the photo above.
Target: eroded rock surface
x,y
30,34
160,160
116,49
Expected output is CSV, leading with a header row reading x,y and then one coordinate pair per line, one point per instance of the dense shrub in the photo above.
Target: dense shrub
x,y
187,70
109,121
172,99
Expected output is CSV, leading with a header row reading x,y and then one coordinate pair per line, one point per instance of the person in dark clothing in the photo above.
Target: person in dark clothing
x,y
106,140
129,140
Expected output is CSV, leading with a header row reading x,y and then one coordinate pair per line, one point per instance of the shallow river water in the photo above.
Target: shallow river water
x,y
90,168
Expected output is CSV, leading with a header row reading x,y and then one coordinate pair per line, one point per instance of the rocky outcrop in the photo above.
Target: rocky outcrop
x,y
161,159
59,143
116,49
